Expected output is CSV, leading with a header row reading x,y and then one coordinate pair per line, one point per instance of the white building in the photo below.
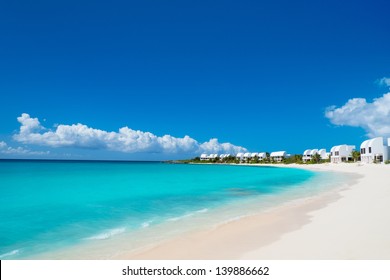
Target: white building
x,y
308,154
213,156
223,156
247,156
240,156
204,157
323,154
253,155
375,150
278,156
341,153
262,156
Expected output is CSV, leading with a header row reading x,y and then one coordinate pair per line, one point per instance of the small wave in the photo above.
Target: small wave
x,y
12,253
107,234
146,224
174,219
227,221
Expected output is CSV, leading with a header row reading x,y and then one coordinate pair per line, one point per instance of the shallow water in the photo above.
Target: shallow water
x,y
51,208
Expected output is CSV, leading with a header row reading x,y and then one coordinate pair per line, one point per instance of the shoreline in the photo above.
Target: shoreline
x,y
330,225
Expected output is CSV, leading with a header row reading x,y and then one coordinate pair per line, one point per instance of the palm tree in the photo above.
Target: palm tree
x,y
298,158
355,155
316,158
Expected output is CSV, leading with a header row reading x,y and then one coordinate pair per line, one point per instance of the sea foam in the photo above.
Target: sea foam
x,y
107,234
146,224
11,253
178,218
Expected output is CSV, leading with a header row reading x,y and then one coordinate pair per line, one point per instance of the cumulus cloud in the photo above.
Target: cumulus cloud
x,y
384,81
2,145
213,146
5,149
373,117
125,140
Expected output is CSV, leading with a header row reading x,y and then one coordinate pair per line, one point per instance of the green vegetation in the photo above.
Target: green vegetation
x,y
355,155
387,162
293,159
316,158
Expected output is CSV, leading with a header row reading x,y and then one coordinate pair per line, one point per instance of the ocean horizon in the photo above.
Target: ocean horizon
x,y
53,206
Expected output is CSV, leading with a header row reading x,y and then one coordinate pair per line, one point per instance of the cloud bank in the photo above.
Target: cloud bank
x,y
373,117
125,140
5,149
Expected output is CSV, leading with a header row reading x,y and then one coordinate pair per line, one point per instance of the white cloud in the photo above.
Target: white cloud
x,y
5,149
384,81
213,146
2,145
125,140
373,117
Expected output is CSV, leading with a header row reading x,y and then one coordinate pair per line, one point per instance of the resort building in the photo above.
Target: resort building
x,y
247,156
253,155
213,156
375,150
308,154
278,156
341,153
222,156
204,157
323,154
208,157
262,156
240,156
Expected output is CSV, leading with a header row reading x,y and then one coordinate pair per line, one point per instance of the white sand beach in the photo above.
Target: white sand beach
x,y
349,223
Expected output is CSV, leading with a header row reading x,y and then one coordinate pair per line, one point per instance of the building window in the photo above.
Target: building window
x,y
369,150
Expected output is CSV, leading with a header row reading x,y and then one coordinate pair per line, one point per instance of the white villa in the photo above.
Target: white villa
x,y
240,156
323,154
341,153
247,156
375,150
308,154
278,156
208,157
222,156
262,156
204,157
253,155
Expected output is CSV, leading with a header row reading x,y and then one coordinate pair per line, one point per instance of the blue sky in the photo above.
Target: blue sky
x,y
256,74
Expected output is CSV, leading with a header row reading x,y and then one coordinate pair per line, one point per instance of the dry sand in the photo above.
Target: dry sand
x,y
353,223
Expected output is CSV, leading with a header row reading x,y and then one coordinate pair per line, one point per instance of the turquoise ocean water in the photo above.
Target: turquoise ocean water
x,y
49,206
